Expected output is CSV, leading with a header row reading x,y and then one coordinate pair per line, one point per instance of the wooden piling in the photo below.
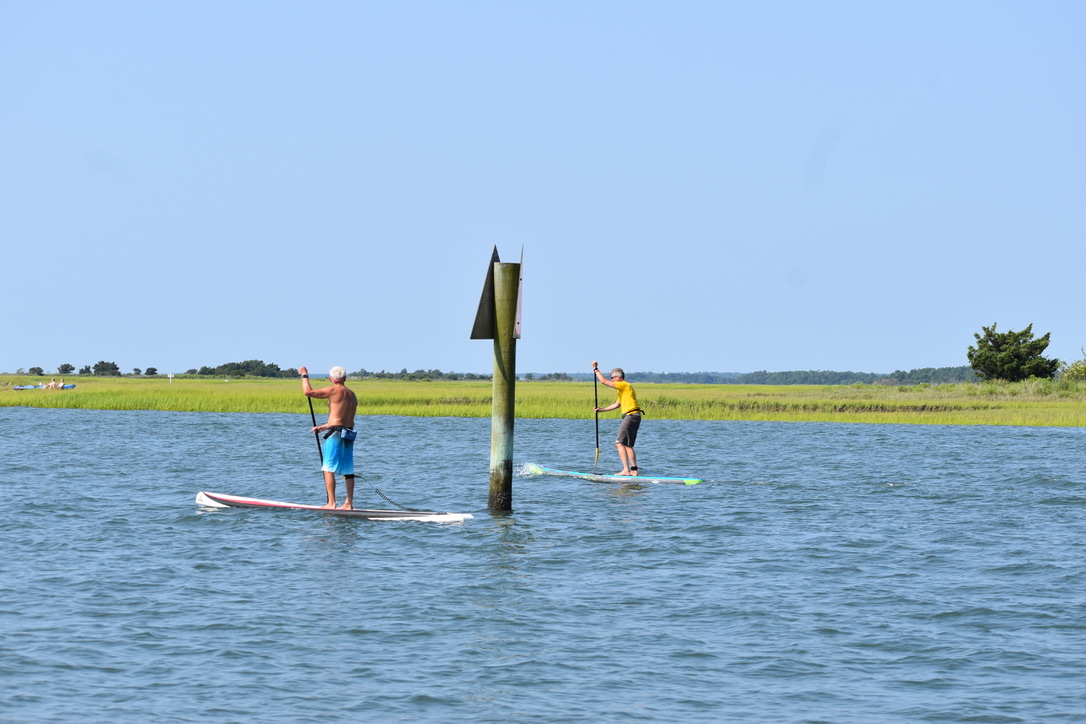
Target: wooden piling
x,y
498,318
503,411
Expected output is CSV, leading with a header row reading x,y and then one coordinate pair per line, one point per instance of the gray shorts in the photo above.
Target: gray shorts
x,y
627,430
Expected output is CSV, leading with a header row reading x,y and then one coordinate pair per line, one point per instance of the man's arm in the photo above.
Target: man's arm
x,y
307,389
601,377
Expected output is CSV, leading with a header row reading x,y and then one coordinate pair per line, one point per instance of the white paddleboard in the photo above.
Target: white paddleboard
x,y
218,500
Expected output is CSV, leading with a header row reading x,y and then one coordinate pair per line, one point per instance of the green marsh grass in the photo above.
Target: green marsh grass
x,y
1031,403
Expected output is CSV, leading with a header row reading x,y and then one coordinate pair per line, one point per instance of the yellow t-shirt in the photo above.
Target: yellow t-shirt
x,y
627,398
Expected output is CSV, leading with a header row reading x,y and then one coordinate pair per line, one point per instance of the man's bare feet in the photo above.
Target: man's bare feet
x,y
345,506
624,472
329,505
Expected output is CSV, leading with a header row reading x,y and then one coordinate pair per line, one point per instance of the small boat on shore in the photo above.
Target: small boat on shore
x,y
41,387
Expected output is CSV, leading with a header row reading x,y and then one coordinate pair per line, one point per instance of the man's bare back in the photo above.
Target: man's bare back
x,y
342,405
342,402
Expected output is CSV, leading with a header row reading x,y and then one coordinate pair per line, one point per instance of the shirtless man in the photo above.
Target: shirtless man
x,y
338,451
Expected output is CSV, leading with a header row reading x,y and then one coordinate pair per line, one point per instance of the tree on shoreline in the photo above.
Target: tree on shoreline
x,y
106,369
1011,356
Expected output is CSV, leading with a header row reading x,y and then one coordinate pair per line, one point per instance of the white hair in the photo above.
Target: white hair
x,y
337,374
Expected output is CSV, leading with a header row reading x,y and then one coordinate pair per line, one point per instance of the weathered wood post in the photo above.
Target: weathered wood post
x,y
498,319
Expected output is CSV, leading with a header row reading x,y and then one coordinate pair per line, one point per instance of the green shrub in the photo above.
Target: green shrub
x,y
1075,371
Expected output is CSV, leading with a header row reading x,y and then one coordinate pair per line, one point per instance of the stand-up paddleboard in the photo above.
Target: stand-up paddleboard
x,y
217,500
532,469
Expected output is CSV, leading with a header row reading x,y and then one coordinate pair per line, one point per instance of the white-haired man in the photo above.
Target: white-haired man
x,y
338,450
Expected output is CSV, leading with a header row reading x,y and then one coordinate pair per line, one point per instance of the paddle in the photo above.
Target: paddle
x,y
316,435
596,395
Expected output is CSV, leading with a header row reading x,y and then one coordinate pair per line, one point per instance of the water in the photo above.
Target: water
x,y
828,573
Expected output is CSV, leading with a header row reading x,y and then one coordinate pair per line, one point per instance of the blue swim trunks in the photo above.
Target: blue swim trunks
x,y
338,455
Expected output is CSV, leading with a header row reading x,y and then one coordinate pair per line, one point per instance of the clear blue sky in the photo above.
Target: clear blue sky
x,y
697,186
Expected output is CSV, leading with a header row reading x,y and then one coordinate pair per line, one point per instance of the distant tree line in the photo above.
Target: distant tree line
x,y
1010,356
926,375
259,368
692,378
100,369
418,375
249,368
806,377
929,375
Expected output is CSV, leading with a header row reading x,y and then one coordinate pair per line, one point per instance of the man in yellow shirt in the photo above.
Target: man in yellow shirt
x,y
631,416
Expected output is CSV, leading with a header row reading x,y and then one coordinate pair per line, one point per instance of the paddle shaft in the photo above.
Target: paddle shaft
x,y
316,435
596,395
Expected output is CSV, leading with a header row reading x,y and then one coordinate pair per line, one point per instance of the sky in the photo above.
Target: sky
x,y
694,186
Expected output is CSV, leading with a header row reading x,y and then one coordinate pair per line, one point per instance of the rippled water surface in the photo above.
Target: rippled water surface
x,y
826,573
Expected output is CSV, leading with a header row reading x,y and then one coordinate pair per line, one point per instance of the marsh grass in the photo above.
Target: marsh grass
x,y
1033,403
